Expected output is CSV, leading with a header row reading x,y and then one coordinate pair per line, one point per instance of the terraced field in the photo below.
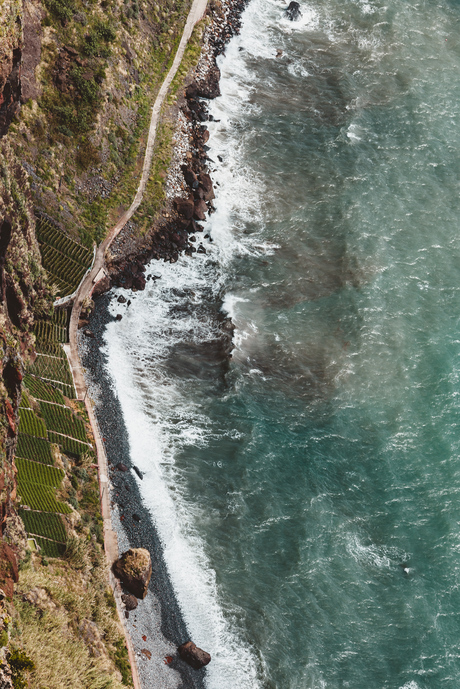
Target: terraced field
x,y
46,421
65,260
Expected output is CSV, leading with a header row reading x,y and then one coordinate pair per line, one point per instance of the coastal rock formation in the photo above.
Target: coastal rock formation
x,y
293,11
134,569
193,655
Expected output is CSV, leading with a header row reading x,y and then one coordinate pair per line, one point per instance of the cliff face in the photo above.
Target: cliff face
x,y
22,291
10,61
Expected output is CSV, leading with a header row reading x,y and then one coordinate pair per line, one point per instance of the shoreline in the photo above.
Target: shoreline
x,y
157,627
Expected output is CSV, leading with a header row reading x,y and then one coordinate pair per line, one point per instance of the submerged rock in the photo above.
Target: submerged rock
x,y
293,11
193,655
134,569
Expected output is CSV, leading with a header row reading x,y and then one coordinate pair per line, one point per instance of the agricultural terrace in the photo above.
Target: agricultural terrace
x,y
54,453
65,260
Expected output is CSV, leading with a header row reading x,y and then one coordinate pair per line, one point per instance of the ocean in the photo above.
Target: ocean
x,y
307,492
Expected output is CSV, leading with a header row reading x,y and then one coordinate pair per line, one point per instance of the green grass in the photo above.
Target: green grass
x,y
43,391
44,524
63,420
34,448
41,498
35,472
31,424
71,447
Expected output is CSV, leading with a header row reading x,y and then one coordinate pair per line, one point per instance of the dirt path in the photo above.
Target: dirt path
x,y
97,272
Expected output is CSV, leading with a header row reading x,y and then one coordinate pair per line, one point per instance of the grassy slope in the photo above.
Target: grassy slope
x,y
92,130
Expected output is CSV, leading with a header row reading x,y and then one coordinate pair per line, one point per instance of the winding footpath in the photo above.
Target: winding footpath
x,y
85,290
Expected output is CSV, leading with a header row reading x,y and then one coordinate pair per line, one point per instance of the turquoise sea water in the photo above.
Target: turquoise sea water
x,y
309,496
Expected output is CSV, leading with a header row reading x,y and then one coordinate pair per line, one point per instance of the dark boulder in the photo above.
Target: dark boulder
x,y
134,569
293,11
139,282
190,177
138,472
193,655
185,207
210,87
200,210
121,467
130,601
102,286
206,185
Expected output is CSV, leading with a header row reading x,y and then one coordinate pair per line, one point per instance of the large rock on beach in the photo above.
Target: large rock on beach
x,y
190,177
185,208
293,11
134,569
102,286
193,655
210,87
200,210
206,185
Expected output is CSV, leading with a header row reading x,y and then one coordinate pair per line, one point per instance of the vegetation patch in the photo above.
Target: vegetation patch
x,y
44,524
63,420
43,391
34,448
65,260
31,424
40,497
70,446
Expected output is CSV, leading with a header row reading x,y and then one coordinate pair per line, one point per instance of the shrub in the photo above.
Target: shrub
x,y
101,34
19,663
62,9
88,155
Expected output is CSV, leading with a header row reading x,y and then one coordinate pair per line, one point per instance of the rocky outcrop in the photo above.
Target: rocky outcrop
x,y
9,573
193,655
40,599
31,51
293,11
10,62
22,290
6,681
134,569
207,88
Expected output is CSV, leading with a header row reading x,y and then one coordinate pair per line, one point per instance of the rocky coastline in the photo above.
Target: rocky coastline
x,y
189,185
156,624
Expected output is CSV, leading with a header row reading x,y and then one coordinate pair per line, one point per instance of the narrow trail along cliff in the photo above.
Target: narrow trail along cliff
x,y
196,13
110,540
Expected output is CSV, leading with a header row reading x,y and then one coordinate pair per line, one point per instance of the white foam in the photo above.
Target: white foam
x,y
381,557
